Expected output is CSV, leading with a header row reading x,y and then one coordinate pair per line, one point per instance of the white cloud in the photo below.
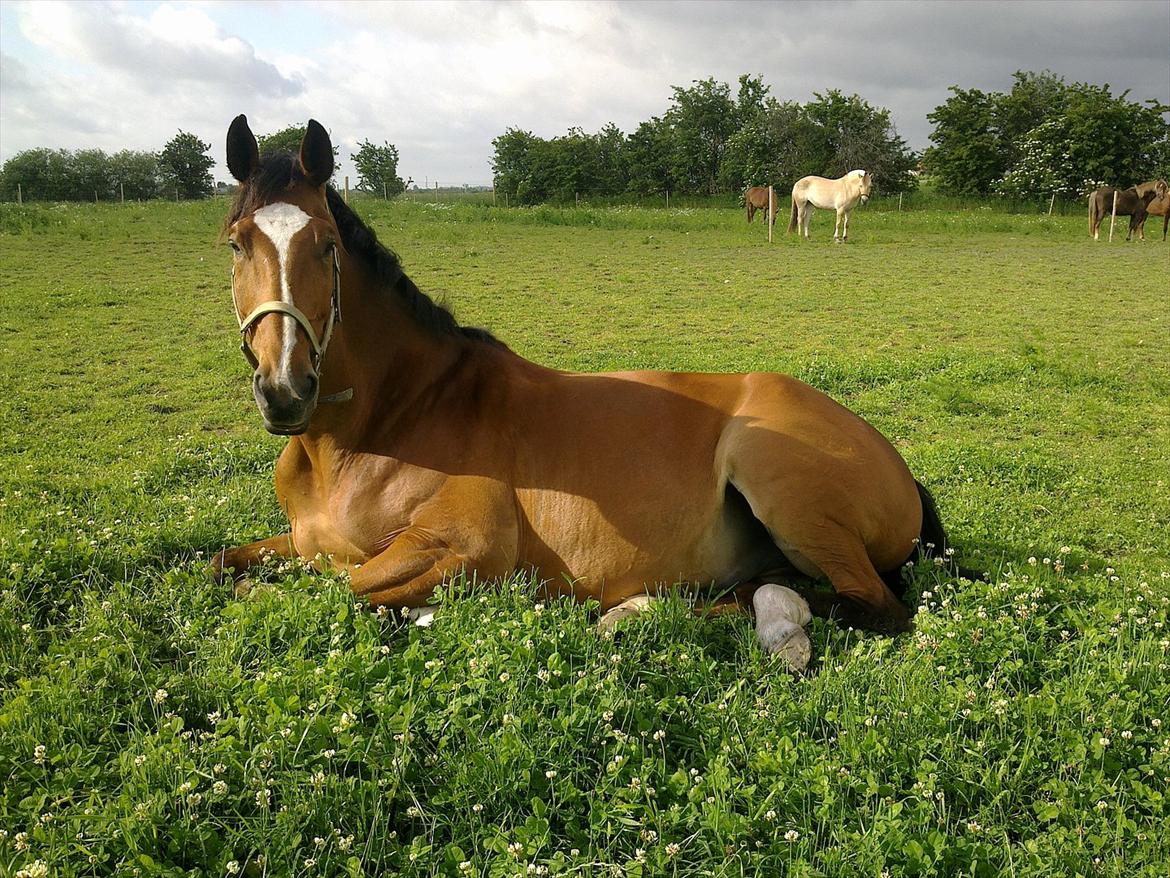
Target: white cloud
x,y
440,80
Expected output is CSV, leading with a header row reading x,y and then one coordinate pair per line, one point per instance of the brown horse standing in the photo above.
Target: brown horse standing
x,y
756,198
419,448
1160,206
1131,202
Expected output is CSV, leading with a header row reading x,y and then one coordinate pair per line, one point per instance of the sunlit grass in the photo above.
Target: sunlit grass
x,y
152,724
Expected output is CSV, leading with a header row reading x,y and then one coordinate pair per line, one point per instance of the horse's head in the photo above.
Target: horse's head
x,y
864,183
286,273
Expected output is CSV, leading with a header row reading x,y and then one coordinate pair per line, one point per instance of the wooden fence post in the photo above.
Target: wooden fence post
x,y
1113,218
122,192
385,197
899,201
1051,202
668,199
771,214
19,195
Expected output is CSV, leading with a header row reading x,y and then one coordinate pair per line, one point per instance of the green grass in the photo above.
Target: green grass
x,y
150,724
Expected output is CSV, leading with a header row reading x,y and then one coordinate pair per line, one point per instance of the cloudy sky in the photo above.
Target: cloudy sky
x,y
440,80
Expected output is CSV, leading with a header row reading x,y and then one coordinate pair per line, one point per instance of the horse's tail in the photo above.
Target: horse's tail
x,y
793,216
932,543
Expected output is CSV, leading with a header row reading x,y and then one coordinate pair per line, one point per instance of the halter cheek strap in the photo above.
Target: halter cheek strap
x,y
278,306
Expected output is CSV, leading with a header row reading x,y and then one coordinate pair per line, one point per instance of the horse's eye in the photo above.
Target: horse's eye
x,y
235,247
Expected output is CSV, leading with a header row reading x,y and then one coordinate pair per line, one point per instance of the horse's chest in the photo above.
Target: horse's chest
x,y
351,511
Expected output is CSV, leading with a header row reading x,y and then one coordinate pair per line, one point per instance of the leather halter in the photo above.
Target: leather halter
x,y
278,306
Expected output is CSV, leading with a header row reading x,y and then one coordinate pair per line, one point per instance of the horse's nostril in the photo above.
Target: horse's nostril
x,y
310,385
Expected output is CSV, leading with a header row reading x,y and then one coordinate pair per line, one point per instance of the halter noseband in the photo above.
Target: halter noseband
x,y
278,306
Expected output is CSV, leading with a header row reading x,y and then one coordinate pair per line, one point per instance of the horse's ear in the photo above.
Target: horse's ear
x,y
316,154
243,155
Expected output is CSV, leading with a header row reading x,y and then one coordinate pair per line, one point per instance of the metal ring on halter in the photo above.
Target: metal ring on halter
x,y
278,306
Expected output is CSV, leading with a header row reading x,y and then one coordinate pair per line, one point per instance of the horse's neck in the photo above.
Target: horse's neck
x,y
381,354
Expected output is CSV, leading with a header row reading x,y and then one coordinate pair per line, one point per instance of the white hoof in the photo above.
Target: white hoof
x,y
625,610
781,615
422,616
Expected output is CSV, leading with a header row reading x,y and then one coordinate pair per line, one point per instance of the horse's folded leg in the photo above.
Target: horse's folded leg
x,y
229,563
781,615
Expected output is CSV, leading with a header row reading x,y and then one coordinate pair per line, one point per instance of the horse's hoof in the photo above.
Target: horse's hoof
x,y
793,647
245,588
422,617
625,610
781,615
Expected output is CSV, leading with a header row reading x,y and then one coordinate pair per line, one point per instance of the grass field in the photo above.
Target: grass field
x,y
150,724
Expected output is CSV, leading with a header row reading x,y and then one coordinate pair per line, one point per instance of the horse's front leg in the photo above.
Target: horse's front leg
x,y
841,216
416,563
242,558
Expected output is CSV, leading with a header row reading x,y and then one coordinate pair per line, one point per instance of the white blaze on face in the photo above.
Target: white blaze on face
x,y
280,222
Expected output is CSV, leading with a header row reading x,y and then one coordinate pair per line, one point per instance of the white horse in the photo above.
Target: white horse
x,y
840,195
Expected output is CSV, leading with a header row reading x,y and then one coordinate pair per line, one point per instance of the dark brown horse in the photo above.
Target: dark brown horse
x,y
756,198
1160,206
420,448
1132,202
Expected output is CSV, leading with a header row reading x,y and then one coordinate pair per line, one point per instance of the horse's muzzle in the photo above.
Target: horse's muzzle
x,y
286,407
865,199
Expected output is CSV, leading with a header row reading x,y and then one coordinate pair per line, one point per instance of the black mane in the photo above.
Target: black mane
x,y
279,170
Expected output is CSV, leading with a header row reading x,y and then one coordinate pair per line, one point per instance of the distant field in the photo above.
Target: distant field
x,y
150,724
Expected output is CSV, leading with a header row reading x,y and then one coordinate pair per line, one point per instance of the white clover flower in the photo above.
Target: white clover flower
x,y
232,867
160,695
672,849
35,869
550,774
219,788
791,836
39,754
770,816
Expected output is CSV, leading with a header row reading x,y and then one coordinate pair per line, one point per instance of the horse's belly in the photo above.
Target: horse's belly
x,y
580,551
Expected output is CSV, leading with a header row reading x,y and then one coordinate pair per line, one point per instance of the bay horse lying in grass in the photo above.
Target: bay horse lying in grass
x,y
1132,202
756,198
841,195
420,448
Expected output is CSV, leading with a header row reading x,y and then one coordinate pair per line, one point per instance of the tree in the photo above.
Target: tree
x,y
510,160
966,157
289,140
778,147
89,176
136,172
185,166
43,175
649,158
1035,98
377,168
703,119
751,100
612,165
